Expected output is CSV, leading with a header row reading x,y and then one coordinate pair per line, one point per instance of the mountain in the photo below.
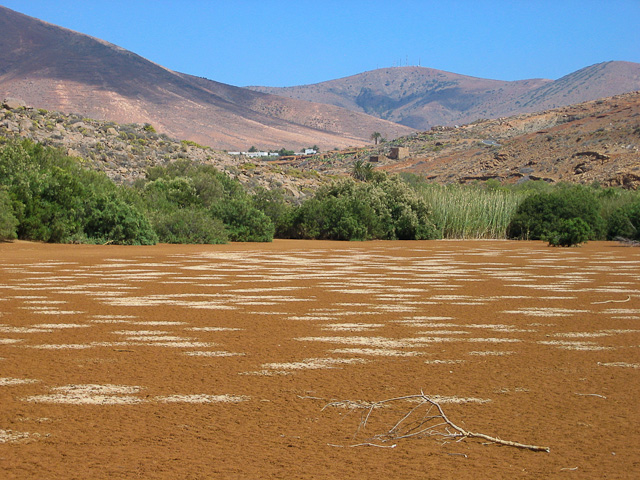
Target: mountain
x,y
421,97
58,69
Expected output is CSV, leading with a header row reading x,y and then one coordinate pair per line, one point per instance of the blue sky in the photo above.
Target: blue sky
x,y
283,43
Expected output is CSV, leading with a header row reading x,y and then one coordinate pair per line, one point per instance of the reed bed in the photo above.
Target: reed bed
x,y
463,212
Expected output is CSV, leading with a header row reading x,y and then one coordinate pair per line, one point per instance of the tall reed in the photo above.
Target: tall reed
x,y
469,212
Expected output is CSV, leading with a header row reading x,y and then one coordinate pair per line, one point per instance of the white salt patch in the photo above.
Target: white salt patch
x,y
63,346
140,332
95,389
352,327
58,312
9,436
60,325
201,398
313,363
382,352
46,302
7,329
213,354
568,345
443,332
546,312
581,334
4,382
84,399
493,340
8,341
310,318
180,344
157,338
620,364
370,341
214,329
443,362
159,323
492,352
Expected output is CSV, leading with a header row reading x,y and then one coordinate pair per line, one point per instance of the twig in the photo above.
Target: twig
x,y
367,444
429,425
591,395
612,301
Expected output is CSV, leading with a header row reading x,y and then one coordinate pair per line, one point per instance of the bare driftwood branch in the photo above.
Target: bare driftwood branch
x,y
613,301
426,418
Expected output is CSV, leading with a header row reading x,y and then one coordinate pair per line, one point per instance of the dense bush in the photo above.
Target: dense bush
x,y
110,220
8,221
625,221
193,203
275,205
47,196
189,225
385,208
568,232
54,199
543,214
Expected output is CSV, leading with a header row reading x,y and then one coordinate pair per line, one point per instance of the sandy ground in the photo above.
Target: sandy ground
x,y
217,361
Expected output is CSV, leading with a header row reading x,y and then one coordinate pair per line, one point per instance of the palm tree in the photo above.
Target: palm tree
x,y
375,136
362,171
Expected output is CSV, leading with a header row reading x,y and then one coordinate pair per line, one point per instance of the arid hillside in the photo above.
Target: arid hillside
x,y
592,141
58,69
597,141
423,97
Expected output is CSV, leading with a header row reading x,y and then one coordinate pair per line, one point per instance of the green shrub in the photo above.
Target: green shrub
x,y
55,199
217,207
568,232
8,221
542,214
110,220
625,222
244,222
274,205
386,208
189,225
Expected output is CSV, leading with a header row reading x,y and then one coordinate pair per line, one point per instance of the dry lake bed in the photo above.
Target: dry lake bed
x,y
249,360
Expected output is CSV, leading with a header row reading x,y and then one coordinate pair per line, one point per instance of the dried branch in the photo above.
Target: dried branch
x,y
429,424
612,301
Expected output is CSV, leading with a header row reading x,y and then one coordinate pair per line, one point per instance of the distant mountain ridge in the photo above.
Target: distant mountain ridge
x,y
421,97
58,69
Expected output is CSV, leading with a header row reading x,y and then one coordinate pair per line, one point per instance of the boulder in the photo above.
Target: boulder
x,y
13,103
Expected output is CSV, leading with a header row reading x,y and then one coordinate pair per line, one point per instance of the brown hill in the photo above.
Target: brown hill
x,y
422,97
596,141
59,69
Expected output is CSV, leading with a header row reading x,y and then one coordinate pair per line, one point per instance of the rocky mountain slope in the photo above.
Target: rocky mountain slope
x,y
423,97
125,151
596,141
58,69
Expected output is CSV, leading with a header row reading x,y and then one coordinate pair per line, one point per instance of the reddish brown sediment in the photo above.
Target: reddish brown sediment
x,y
217,361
